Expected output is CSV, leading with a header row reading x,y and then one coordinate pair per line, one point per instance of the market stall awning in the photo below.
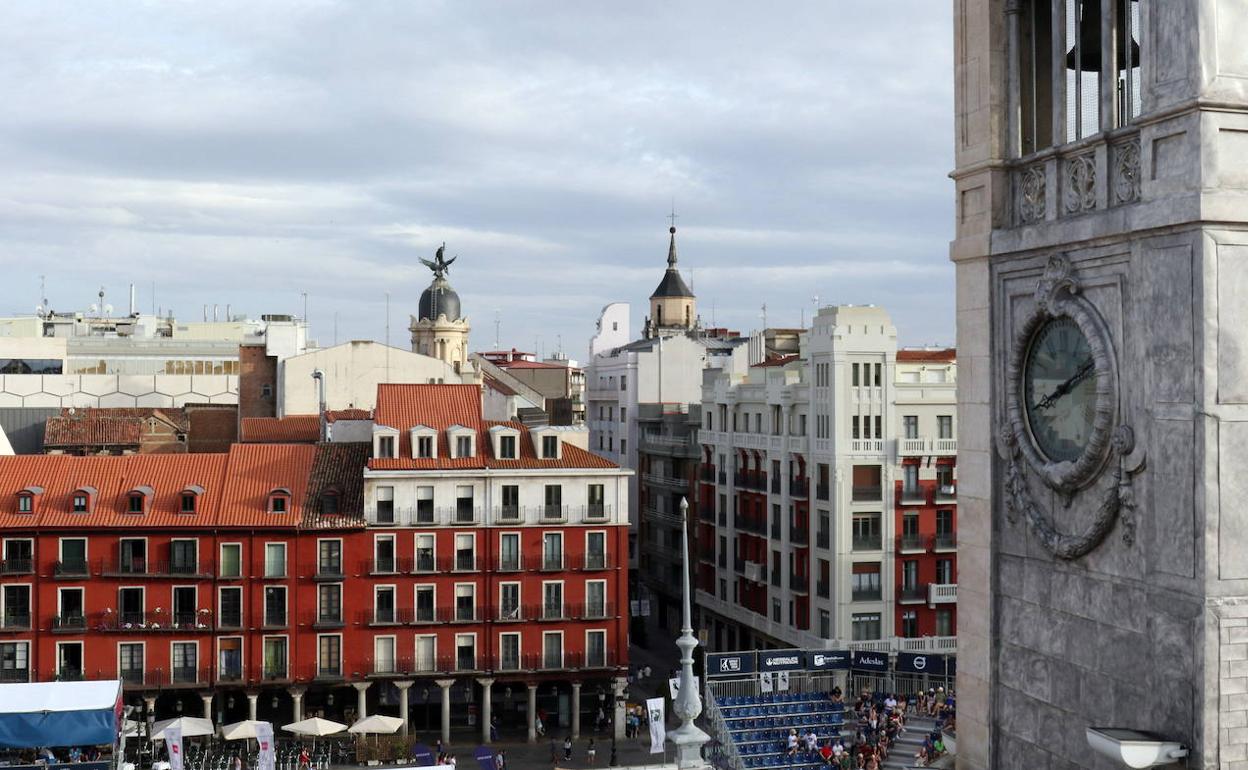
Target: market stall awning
x,y
59,714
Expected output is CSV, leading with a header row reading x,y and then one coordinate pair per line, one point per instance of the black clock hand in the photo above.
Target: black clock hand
x,y
1066,386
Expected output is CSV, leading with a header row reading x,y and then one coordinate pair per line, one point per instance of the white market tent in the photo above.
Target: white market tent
x,y
377,724
34,714
191,727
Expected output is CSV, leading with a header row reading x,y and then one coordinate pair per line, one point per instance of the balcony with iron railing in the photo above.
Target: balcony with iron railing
x,y
387,565
947,493
14,675
466,613
799,536
823,539
821,491
69,623
139,566
775,486
595,561
913,494
325,618
167,622
510,562
15,620
867,493
776,578
866,542
69,674
912,542
664,480
706,512
71,569
945,541
387,616
866,594
822,589
799,583
388,666
799,487
707,473
913,594
776,531
17,566
329,571
592,610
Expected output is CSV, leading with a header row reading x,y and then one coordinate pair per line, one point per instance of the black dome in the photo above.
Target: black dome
x,y
439,299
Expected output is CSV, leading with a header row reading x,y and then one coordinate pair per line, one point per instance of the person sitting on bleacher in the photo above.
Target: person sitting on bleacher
x,y
792,744
925,753
812,742
825,753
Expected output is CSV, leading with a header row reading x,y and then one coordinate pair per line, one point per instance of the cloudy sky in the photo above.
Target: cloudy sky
x,y
246,152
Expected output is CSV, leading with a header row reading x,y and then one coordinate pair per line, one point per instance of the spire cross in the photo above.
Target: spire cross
x,y
672,216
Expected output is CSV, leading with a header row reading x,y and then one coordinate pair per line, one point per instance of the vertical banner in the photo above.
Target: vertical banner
x,y
782,681
267,758
173,742
658,724
764,681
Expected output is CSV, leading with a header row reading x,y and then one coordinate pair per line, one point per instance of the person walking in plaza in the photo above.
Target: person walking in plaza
x,y
591,753
567,748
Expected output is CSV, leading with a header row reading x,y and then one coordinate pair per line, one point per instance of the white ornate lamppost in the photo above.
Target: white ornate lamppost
x,y
688,738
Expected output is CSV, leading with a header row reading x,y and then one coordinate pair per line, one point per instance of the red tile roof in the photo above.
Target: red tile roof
x,y
294,428
493,383
334,415
106,427
919,355
441,406
235,486
522,364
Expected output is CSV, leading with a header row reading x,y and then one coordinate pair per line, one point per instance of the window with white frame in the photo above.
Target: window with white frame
x,y
275,606
424,552
552,649
14,661
384,513
509,552
509,601
425,603
329,655
383,554
231,560
329,603
466,652
465,602
275,560
595,599
130,666
426,652
185,662
595,550
596,648
465,552
384,655
552,551
552,600
230,607
384,610
509,652
275,657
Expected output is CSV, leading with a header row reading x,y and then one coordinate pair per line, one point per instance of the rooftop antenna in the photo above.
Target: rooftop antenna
x,y
712,312
43,310
305,306
387,336
101,295
764,315
154,310
497,326
558,345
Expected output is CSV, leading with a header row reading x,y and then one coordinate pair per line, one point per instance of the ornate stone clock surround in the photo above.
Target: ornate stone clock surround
x,y
1058,294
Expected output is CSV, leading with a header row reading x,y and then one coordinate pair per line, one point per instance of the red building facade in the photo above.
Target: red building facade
x,y
263,583
926,551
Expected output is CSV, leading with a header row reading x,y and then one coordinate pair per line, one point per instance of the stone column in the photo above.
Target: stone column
x,y
485,683
576,710
296,697
207,698
618,690
253,699
361,699
445,684
532,711
404,686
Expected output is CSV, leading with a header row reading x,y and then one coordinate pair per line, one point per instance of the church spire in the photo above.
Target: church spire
x,y
671,249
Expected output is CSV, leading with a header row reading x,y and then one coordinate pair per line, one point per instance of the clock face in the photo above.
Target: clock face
x,y
1059,389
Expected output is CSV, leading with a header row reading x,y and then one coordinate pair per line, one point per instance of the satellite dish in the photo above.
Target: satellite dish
x,y
38,309
93,308
108,310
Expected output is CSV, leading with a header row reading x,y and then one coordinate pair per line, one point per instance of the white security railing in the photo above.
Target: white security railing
x,y
942,593
919,447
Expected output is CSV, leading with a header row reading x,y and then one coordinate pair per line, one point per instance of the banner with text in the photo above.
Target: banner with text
x,y
658,724
870,661
827,660
730,663
781,660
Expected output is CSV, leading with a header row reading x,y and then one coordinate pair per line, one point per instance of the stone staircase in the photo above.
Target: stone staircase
x,y
908,743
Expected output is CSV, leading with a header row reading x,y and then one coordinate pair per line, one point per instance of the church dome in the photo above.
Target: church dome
x,y
439,299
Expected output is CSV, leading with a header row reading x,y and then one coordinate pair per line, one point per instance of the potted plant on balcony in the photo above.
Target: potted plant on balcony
x,y
202,620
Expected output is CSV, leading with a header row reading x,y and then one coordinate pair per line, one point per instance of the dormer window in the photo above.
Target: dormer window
x,y
507,447
550,447
329,502
83,499
385,446
190,498
279,501
462,441
424,446
25,503
135,503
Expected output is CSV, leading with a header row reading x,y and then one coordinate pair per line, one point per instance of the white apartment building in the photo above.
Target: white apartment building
x,y
803,464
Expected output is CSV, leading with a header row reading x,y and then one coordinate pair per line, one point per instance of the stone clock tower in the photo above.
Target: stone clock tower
x,y
1102,275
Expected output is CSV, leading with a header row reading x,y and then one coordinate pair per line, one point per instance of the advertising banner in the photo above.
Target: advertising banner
x,y
920,663
870,661
173,741
781,660
730,663
658,724
827,660
267,758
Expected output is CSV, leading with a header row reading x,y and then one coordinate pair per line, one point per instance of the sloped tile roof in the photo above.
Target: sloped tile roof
x,y
292,428
945,356
121,426
337,467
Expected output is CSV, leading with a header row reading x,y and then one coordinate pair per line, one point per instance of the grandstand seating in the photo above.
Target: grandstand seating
x,y
760,724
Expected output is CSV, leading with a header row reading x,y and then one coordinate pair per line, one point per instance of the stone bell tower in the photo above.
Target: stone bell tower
x,y
1101,252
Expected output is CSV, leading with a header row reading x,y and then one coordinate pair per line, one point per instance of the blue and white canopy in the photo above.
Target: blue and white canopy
x,y
59,714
